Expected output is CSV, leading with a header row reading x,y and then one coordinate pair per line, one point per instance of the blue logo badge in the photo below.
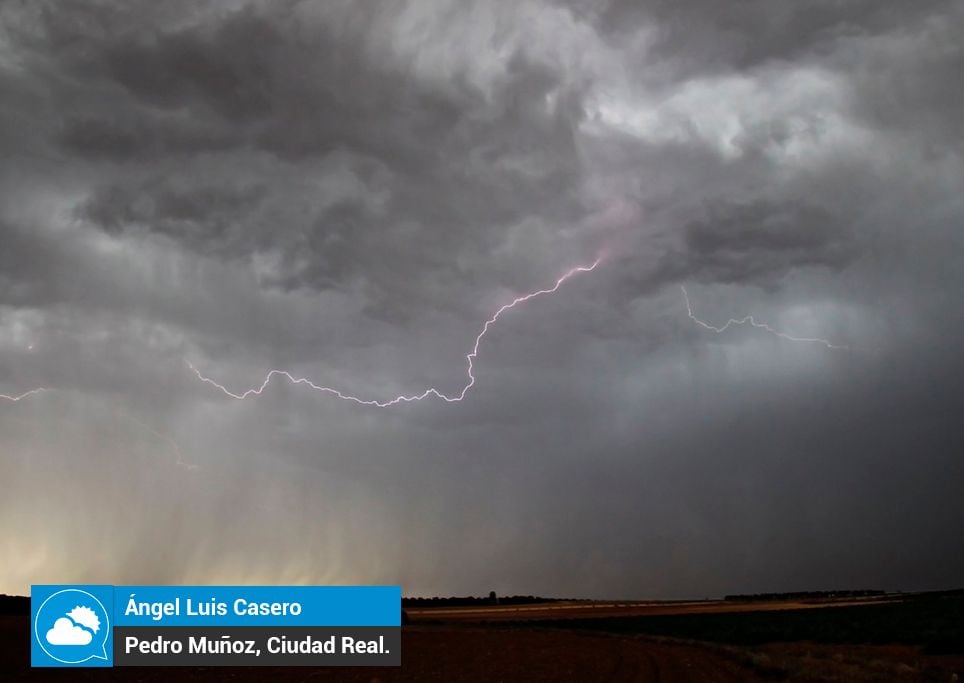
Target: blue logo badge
x,y
71,625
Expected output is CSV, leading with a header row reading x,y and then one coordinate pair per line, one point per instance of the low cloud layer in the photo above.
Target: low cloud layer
x,y
349,190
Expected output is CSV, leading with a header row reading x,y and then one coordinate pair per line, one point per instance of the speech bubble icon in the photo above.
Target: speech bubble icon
x,y
103,645
66,615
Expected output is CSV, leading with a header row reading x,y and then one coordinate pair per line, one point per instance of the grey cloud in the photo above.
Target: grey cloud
x,y
701,36
458,168
762,241
204,217
227,69
111,138
348,191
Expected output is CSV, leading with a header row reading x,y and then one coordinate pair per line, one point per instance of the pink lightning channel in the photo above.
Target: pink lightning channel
x,y
431,391
753,323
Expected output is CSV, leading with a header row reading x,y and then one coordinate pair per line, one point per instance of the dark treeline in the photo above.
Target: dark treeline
x,y
807,595
472,600
14,605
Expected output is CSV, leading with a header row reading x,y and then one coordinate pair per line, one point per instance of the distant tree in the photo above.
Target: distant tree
x,y
493,598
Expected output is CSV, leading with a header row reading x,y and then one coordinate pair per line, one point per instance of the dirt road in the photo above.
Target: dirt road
x,y
585,610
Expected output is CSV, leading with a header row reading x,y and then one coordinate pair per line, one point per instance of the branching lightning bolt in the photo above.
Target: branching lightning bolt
x,y
179,459
470,359
20,397
749,320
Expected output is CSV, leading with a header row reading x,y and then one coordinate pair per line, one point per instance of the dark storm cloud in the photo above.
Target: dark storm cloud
x,y
447,157
348,190
753,241
110,138
200,216
701,35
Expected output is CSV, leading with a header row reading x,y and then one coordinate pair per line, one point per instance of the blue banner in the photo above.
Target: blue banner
x,y
258,605
102,625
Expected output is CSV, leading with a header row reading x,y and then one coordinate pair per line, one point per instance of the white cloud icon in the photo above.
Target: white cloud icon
x,y
65,632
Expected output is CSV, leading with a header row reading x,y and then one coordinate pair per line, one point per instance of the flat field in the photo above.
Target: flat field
x,y
918,639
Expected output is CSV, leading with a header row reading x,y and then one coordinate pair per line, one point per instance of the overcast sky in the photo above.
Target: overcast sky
x,y
349,190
